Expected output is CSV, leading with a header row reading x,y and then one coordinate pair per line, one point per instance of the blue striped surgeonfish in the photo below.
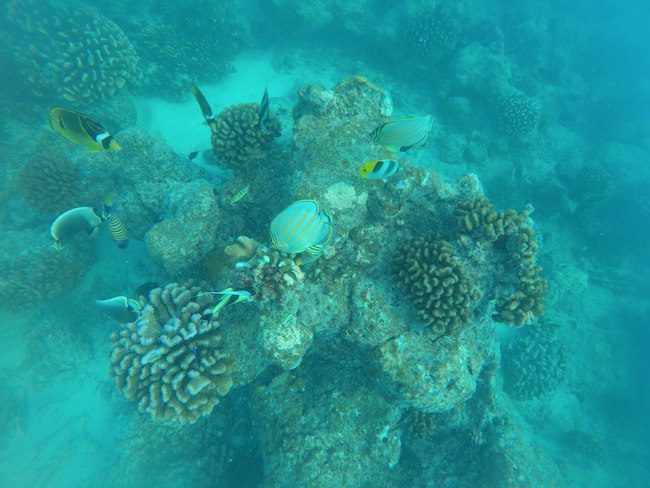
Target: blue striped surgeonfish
x,y
302,228
403,134
82,130
115,225
379,169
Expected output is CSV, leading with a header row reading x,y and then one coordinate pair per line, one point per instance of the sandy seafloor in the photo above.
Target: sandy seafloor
x,y
65,421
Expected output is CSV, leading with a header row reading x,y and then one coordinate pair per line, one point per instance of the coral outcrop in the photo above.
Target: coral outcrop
x,y
76,54
478,216
436,283
170,361
516,114
238,138
50,183
534,364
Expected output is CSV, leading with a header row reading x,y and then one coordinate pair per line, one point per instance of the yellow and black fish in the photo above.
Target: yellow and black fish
x,y
206,110
82,130
379,169
115,225
263,111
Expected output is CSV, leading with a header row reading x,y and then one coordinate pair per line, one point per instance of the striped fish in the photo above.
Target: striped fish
x,y
277,381
81,129
206,110
263,112
380,169
241,193
115,225
301,227
403,134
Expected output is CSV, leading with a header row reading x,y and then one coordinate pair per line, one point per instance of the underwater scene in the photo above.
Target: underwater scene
x,y
339,243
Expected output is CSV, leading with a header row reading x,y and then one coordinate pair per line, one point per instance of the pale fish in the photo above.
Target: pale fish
x,y
121,308
80,219
301,227
403,134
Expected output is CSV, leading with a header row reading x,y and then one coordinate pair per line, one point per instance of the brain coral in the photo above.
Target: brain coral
x,y
238,139
534,364
78,54
436,283
170,360
50,183
516,114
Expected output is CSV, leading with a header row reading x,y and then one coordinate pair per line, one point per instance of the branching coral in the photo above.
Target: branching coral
x,y
50,183
170,360
76,53
534,364
436,283
516,114
478,216
238,138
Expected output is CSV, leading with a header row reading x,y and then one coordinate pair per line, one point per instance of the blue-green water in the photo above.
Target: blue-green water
x,y
417,344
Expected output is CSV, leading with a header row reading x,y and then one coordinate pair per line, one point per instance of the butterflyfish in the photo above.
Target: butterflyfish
x,y
277,381
82,130
79,219
115,225
120,308
263,112
241,193
206,110
379,169
302,228
229,297
403,134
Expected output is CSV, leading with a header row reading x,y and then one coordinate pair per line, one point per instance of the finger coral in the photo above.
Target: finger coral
x,y
171,360
238,138
50,183
78,54
479,217
436,283
534,364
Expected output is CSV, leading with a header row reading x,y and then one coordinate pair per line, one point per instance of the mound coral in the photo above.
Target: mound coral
x,y
50,183
534,364
436,283
238,138
170,360
76,53
516,114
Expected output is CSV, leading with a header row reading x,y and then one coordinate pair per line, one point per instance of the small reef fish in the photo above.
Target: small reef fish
x,y
302,228
206,110
196,356
403,134
72,221
263,112
115,225
192,155
241,193
122,309
380,169
230,297
278,380
82,130
144,289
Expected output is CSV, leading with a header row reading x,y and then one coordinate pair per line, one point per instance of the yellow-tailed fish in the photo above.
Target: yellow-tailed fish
x,y
80,219
278,380
263,111
380,169
301,228
403,134
121,308
118,231
82,130
230,297
206,110
241,193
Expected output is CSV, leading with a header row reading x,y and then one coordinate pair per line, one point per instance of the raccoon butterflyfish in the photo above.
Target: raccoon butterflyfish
x,y
380,169
82,130
72,221
115,225
120,308
403,134
206,110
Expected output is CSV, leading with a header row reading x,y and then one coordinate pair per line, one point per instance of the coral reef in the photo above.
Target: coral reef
x,y
436,283
478,216
238,138
77,54
49,182
515,114
534,364
170,360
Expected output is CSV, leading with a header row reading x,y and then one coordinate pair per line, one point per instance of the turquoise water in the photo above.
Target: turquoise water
x,y
478,318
